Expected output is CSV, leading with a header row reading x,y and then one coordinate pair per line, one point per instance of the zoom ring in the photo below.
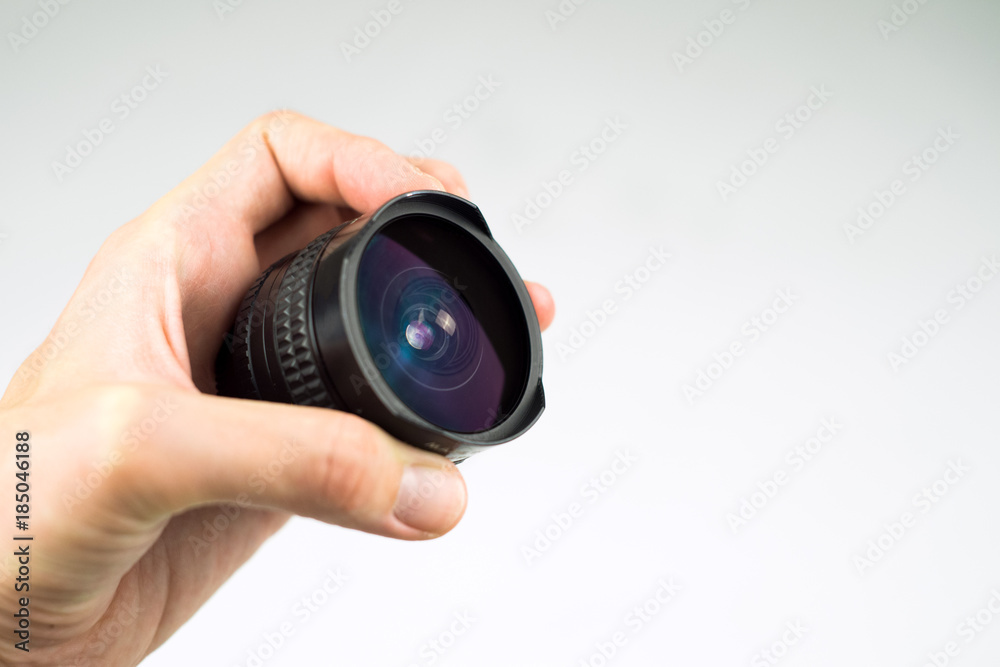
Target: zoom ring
x,y
291,329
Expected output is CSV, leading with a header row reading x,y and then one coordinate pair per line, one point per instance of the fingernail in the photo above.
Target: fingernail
x,y
430,499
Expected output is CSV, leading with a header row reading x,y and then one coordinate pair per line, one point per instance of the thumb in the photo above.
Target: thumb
x,y
315,462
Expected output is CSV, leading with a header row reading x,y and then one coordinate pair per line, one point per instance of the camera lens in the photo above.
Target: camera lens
x,y
412,317
440,322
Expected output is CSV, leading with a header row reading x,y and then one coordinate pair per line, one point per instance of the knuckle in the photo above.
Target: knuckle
x,y
128,236
147,240
137,253
115,471
128,418
105,462
276,117
115,407
373,149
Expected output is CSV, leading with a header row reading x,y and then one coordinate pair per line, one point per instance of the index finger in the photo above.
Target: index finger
x,y
209,221
282,157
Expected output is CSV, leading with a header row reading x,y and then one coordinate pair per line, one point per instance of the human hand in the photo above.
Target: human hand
x,y
147,490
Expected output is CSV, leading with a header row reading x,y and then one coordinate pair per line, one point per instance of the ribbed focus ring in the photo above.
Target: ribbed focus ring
x,y
242,370
291,329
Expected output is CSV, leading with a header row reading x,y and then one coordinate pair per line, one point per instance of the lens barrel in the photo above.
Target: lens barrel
x,y
412,317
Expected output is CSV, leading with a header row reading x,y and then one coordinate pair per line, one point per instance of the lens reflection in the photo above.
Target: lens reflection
x,y
419,335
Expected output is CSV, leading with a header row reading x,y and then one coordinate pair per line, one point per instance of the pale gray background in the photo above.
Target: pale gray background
x,y
655,185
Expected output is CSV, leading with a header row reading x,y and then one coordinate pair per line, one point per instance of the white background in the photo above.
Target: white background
x,y
656,185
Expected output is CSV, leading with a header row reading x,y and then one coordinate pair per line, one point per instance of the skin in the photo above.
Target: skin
x,y
133,458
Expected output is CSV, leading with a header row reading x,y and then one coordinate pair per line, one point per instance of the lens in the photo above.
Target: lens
x,y
440,324
411,317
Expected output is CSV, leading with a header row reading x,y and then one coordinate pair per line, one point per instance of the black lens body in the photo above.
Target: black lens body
x,y
412,317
